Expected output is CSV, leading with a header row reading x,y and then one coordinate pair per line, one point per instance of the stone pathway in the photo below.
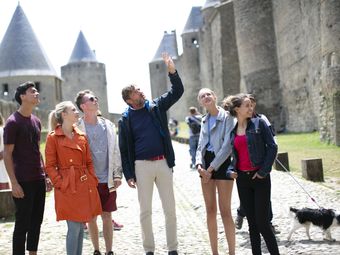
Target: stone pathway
x,y
192,231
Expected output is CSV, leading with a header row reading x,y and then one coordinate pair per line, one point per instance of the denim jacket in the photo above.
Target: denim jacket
x,y
261,146
219,138
158,109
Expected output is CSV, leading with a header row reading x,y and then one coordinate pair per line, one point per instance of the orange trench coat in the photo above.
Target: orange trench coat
x,y
70,168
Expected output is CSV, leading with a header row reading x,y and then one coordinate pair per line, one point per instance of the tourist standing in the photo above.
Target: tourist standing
x,y
241,214
70,167
194,123
254,151
101,134
147,154
25,169
212,161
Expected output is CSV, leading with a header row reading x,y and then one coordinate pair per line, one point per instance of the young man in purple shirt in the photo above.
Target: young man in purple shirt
x,y
24,166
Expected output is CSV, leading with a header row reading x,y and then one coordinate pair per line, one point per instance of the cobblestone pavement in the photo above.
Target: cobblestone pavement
x,y
192,231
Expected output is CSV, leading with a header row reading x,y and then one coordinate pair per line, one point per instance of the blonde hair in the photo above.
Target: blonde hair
x,y
55,116
52,121
199,92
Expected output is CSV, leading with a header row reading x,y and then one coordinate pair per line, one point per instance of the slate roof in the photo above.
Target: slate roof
x,y
195,21
168,44
210,3
81,51
20,50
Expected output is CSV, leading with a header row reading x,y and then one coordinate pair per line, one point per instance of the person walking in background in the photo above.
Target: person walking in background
x,y
148,156
101,134
4,180
25,169
212,161
70,167
240,210
194,123
173,127
254,151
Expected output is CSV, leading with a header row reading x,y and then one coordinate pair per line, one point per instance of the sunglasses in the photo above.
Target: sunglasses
x,y
92,99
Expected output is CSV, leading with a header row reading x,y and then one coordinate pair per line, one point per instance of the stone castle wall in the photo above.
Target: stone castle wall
x,y
7,108
287,53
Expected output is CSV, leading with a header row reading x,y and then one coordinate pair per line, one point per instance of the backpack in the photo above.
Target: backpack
x,y
195,125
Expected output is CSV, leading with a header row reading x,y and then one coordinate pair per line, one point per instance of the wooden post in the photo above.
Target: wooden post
x,y
283,158
312,169
7,207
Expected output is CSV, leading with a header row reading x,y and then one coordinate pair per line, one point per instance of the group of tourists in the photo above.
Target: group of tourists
x,y
85,161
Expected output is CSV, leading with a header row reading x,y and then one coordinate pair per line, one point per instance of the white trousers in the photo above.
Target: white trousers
x,y
158,172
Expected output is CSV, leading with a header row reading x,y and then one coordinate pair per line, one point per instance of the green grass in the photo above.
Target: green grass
x,y
300,146
308,145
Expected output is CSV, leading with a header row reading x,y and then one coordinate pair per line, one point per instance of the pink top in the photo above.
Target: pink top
x,y
243,161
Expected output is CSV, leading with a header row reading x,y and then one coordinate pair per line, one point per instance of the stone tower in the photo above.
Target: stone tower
x,y
83,71
206,65
257,56
220,69
330,73
190,58
23,59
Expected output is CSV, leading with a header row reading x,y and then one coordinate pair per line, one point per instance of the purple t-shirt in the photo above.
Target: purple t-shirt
x,y
24,133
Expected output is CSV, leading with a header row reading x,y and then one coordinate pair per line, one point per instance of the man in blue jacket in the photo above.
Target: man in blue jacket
x,y
147,154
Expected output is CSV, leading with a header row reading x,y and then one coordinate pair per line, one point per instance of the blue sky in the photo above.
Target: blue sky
x,y
124,34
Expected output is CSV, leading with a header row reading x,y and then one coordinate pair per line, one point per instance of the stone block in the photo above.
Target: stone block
x,y
312,169
7,207
281,162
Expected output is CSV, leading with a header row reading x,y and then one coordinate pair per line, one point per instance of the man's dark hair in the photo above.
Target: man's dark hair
x,y
21,90
126,91
193,110
79,98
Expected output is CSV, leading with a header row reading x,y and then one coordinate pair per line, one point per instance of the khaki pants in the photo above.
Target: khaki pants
x,y
158,172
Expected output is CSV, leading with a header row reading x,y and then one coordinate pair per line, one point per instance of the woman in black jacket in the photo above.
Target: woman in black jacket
x,y
254,151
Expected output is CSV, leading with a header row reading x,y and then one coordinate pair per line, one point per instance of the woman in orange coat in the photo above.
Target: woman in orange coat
x,y
69,166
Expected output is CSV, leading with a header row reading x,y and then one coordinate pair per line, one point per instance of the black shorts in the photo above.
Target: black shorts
x,y
221,172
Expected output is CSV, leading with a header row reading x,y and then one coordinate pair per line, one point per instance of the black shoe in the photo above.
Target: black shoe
x,y
172,253
275,231
96,252
110,253
239,222
149,253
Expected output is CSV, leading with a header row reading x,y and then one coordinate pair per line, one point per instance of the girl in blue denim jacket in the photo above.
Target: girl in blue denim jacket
x,y
254,151
212,161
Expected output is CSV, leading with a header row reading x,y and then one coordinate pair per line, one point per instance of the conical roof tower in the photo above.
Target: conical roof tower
x,y
20,50
168,44
22,59
195,21
81,51
210,3
83,71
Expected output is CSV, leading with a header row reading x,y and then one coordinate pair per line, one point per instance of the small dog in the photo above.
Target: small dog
x,y
323,218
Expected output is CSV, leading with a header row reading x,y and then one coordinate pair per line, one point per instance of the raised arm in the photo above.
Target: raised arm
x,y
169,62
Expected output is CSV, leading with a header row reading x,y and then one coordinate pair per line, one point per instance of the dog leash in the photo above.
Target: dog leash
x,y
278,161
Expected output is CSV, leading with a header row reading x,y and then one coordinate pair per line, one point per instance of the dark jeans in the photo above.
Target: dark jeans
x,y
193,144
255,199
28,216
242,213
